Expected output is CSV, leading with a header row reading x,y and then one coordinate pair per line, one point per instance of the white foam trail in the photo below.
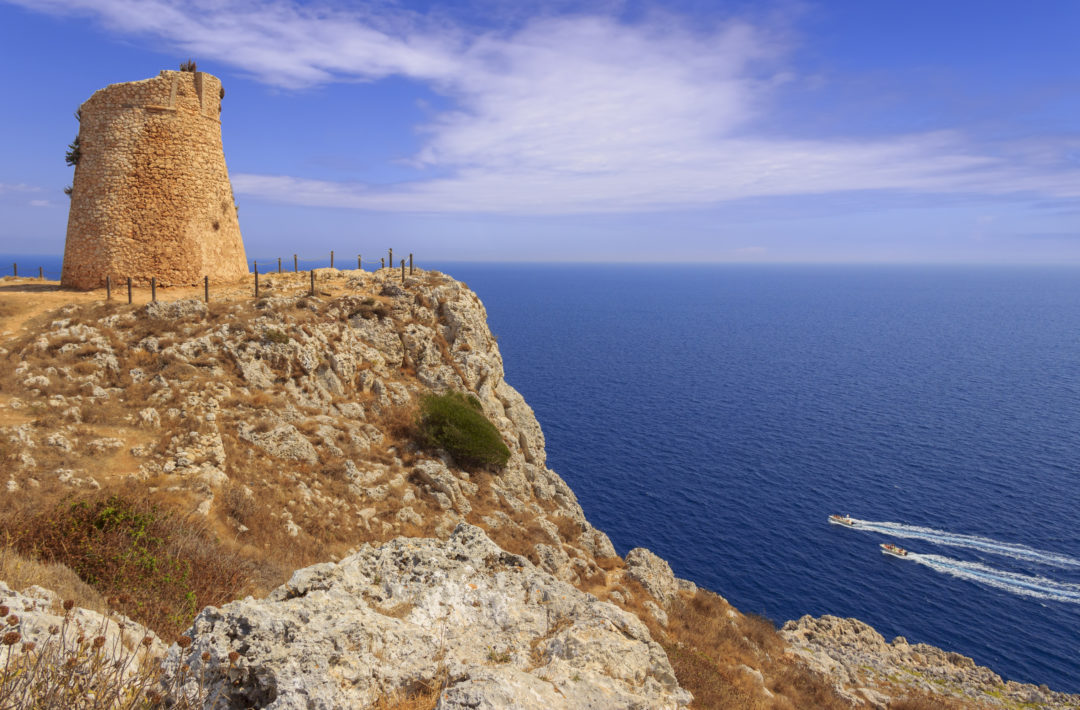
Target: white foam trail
x,y
971,542
1021,584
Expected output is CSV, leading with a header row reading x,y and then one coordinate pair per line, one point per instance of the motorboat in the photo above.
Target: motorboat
x,y
842,520
887,548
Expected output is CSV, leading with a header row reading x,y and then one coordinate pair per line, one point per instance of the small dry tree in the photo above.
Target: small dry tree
x,y
189,65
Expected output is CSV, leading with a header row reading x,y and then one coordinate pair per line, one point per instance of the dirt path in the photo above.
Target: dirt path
x,y
24,299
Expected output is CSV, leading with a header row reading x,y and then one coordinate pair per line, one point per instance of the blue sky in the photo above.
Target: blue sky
x,y
863,131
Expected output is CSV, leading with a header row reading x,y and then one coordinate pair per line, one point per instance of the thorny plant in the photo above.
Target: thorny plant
x,y
77,669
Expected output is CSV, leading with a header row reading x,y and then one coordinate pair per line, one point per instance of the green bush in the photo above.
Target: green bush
x,y
74,153
273,335
455,422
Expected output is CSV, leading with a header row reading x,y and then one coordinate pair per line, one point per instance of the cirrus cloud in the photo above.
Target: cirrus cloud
x,y
571,113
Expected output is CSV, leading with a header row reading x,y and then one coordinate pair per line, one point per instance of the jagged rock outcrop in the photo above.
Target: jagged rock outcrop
x,y
487,627
869,670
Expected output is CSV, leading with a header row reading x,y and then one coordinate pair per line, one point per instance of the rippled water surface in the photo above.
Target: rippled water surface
x,y
718,415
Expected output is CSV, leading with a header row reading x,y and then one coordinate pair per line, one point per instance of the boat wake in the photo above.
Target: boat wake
x,y
971,542
1021,584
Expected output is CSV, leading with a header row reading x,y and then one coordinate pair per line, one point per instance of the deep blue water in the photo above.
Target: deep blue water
x,y
718,414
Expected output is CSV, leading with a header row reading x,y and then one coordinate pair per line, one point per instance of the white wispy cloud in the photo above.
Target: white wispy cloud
x,y
571,113
10,187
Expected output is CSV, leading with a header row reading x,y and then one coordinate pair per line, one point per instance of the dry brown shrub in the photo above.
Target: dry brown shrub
x,y
398,611
399,423
595,583
610,563
154,565
706,648
928,701
237,504
47,418
569,529
421,696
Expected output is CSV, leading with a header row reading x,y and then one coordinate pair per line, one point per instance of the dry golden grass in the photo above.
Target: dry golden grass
x,y
423,696
19,571
154,565
706,647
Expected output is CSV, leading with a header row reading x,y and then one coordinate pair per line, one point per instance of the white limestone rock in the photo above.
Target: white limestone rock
x,y
283,442
654,574
171,310
490,627
853,654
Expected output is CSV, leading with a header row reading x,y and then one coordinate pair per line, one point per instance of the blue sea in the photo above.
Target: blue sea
x,y
719,414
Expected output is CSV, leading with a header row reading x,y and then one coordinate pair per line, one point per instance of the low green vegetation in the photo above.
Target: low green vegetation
x,y
272,335
456,423
155,566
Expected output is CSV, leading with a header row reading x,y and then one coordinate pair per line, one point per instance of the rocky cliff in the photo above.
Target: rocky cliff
x,y
486,628
283,428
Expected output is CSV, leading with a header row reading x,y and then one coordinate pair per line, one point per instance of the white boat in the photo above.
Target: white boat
x,y
842,520
888,548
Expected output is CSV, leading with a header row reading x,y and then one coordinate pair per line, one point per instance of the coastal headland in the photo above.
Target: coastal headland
x,y
247,485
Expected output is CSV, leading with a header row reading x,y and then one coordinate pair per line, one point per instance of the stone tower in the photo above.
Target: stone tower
x,y
151,196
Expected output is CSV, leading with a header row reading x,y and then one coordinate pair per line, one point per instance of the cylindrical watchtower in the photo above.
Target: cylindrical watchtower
x,y
151,195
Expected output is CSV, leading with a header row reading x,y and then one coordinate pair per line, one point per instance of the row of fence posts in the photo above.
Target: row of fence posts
x,y
359,262
15,271
206,279
153,288
359,267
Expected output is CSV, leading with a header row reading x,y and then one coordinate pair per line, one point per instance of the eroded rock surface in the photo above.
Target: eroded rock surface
x,y
488,627
871,671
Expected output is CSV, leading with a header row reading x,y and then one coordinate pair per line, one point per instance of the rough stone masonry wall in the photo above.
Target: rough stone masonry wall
x,y
151,196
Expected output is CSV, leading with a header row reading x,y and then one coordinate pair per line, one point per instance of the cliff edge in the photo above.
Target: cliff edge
x,y
269,447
